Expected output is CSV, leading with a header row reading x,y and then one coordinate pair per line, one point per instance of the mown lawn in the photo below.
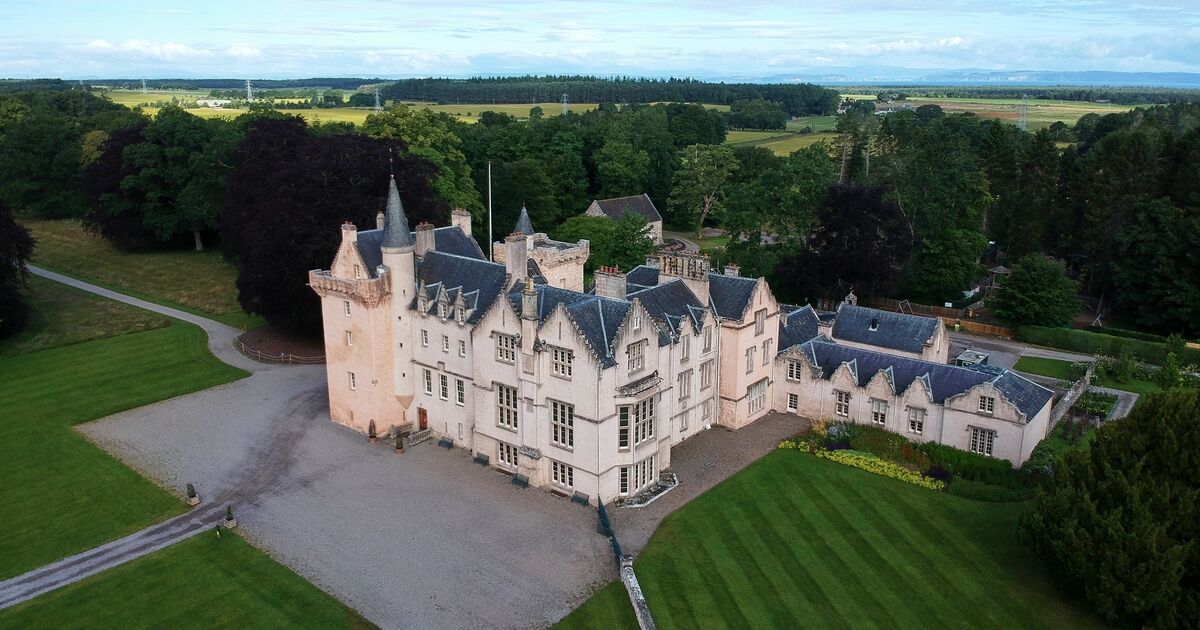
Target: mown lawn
x,y
608,608
795,541
61,316
1056,368
202,582
197,282
60,494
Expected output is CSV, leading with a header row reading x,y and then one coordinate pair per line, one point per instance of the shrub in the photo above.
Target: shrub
x,y
1128,334
872,464
972,466
1095,343
879,442
979,491
1095,403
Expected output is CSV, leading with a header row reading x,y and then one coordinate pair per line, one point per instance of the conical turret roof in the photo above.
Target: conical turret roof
x,y
395,228
524,225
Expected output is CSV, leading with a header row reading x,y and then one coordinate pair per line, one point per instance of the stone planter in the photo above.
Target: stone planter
x,y
372,440
229,523
194,501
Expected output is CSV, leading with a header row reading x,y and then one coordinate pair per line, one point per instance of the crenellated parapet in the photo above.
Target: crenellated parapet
x,y
366,291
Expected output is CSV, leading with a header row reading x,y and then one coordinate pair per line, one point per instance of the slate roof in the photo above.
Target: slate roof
x,y
479,281
598,319
898,331
943,381
798,325
524,225
448,239
617,207
395,227
643,275
670,303
730,294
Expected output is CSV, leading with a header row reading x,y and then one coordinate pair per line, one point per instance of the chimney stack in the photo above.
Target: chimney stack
x,y
425,240
380,220
461,218
516,254
349,232
731,270
529,301
610,283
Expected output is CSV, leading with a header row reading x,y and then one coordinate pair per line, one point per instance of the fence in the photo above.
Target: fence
x,y
964,318
980,328
282,357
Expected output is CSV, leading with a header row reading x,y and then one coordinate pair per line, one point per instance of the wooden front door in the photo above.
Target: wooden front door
x,y
422,419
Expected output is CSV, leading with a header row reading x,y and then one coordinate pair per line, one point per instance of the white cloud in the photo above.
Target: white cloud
x,y
243,52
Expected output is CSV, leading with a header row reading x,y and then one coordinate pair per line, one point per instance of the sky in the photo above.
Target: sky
x,y
701,38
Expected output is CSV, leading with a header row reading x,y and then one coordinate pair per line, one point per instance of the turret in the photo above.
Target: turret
x,y
398,256
524,225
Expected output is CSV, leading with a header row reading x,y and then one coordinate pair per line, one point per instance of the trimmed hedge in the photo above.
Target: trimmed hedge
x,y
960,463
979,491
1086,342
1128,334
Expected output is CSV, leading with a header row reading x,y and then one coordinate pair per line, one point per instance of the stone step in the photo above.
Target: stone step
x,y
418,437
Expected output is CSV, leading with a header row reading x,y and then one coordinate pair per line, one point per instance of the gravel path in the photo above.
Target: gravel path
x,y
221,337
703,461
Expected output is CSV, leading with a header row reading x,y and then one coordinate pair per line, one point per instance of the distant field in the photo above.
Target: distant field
x,y
737,137
1042,112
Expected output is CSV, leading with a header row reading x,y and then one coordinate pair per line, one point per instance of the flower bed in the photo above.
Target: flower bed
x,y
872,464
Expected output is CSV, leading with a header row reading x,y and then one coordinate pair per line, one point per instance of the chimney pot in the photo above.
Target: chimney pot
x,y
425,239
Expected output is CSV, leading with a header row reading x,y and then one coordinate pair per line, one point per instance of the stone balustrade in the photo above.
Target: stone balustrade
x,y
368,291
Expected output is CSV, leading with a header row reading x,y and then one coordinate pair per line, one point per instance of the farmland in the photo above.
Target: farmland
x,y
1042,112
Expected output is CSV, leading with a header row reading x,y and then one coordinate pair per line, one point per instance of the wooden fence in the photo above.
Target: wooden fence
x,y
282,357
963,318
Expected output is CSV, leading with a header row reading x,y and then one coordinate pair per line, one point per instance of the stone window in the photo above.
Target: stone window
x,y
349,339
637,321
623,428
685,346
637,356
760,321
460,392
750,359
793,370
506,348
916,420
793,402
638,476
562,474
706,411
462,348
346,306
442,310
757,393
767,351
706,374
641,416
506,406
562,424
683,420
443,387
445,343
987,404
982,441
424,338
352,381
708,338
560,362
841,403
428,382
624,486
879,411
506,454
685,385
357,271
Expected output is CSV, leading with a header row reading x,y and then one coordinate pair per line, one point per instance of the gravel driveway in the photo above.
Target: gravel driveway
x,y
422,540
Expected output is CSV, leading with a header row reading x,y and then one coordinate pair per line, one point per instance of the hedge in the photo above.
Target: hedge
x,y
872,464
1086,342
979,491
1128,334
960,463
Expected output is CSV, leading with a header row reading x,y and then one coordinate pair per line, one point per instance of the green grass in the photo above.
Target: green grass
x,y
203,582
738,136
796,541
818,123
61,494
1056,368
61,316
608,608
201,283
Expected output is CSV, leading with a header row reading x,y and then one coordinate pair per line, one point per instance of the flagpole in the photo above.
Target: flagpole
x,y
491,240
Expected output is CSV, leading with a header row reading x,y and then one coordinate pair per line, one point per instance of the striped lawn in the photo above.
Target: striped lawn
x,y
794,540
60,494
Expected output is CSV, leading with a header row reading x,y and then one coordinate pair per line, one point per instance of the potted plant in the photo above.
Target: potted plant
x,y
193,499
399,444
230,521
372,436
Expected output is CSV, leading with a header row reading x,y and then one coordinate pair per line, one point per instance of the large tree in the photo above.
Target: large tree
x,y
700,183
861,242
1156,269
1120,522
16,245
289,192
1036,292
623,243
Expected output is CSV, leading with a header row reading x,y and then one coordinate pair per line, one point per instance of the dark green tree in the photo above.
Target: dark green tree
x,y
16,246
1156,266
1120,521
1037,292
622,243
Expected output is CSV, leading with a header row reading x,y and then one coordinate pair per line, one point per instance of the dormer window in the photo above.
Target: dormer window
x,y
442,310
460,314
874,324
637,322
987,404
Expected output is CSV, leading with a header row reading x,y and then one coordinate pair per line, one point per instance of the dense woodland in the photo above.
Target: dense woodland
x,y
910,205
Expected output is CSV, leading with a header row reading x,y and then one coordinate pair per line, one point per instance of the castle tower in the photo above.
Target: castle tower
x,y
524,225
399,257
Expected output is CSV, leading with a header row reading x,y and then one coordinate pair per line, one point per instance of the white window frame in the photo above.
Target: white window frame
x,y
766,352
623,481
916,420
685,346
352,381
428,381
983,441
879,411
623,416
562,474
793,370
506,455
507,412
462,347
706,410
640,417
349,338
708,338
793,402
750,358
685,384
706,374
756,396
346,306
637,321
460,392
561,362
760,321
841,403
562,424
424,338
445,343
636,356
987,404
506,348
443,387
635,478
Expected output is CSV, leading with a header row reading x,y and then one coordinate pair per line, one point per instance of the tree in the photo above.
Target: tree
x,y
431,135
621,170
1036,292
285,198
1120,521
622,243
1156,266
1169,374
16,246
861,242
700,184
